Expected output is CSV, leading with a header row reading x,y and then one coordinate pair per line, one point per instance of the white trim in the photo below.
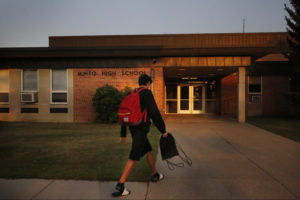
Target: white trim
x,y
37,81
203,99
179,111
191,99
58,91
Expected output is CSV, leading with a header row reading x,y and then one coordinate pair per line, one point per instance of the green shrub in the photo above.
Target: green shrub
x,y
125,91
106,101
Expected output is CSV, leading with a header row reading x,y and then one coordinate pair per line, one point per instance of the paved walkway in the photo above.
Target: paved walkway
x,y
230,161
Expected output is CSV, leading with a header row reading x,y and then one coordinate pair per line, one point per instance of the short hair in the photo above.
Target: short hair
x,y
144,79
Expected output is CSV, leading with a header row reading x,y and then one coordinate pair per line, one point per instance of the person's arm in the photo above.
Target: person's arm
x,y
153,111
123,133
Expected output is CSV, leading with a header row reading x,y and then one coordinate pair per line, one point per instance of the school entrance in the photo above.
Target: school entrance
x,y
192,98
209,88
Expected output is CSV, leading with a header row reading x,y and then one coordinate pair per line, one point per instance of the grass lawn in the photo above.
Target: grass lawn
x,y
68,151
286,127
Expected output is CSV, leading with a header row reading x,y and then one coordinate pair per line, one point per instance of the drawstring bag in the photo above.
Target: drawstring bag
x,y
169,149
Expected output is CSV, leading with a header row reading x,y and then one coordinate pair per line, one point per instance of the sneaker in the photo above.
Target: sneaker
x,y
121,190
157,177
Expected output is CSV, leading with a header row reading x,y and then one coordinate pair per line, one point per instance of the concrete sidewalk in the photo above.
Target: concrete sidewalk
x,y
65,189
230,161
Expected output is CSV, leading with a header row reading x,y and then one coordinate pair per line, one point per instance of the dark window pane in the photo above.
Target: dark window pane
x,y
172,92
184,93
198,92
29,110
58,110
59,97
184,105
3,97
4,110
171,106
210,91
255,88
255,84
197,104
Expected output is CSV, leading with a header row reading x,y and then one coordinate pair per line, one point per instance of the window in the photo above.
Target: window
x,y
171,100
255,89
4,86
59,92
254,84
30,80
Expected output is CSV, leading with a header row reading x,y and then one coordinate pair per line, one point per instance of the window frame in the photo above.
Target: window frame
x,y
261,85
58,91
37,81
255,94
2,102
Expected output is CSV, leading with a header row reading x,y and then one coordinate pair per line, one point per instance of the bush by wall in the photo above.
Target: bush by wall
x,y
106,101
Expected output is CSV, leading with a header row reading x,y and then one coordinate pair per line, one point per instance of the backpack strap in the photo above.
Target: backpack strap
x,y
138,90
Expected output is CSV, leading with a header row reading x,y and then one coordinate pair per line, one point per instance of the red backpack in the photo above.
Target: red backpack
x,y
130,109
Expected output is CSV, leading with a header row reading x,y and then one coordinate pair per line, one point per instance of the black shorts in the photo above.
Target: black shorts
x,y
140,144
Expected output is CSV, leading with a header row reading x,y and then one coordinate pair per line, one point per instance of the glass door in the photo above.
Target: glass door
x,y
184,99
197,99
191,99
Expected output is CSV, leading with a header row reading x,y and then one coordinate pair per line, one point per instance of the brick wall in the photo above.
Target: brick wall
x,y
87,80
159,89
275,89
229,96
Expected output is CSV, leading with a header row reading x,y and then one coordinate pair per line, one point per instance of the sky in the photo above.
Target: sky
x,y
29,23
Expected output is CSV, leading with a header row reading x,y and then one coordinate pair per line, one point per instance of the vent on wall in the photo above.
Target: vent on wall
x,y
29,97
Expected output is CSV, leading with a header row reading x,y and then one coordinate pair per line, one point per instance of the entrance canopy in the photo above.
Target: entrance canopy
x,y
184,74
193,84
181,69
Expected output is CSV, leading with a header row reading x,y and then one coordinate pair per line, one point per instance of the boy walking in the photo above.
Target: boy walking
x,y
140,142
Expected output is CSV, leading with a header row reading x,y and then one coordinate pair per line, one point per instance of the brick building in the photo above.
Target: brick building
x,y
237,75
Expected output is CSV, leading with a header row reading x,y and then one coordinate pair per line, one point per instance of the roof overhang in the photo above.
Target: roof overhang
x,y
6,53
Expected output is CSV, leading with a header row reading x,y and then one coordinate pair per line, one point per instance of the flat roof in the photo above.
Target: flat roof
x,y
64,49
213,40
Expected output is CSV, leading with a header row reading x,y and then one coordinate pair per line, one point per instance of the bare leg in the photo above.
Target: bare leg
x,y
127,169
151,162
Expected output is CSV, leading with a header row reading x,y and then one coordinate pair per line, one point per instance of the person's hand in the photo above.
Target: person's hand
x,y
165,135
123,140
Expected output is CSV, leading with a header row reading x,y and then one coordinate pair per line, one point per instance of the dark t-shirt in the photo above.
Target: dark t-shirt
x,y
147,102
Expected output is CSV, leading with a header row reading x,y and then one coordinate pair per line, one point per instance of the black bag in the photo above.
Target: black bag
x,y
168,149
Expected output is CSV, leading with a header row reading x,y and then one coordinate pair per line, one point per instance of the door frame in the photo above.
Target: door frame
x,y
191,99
